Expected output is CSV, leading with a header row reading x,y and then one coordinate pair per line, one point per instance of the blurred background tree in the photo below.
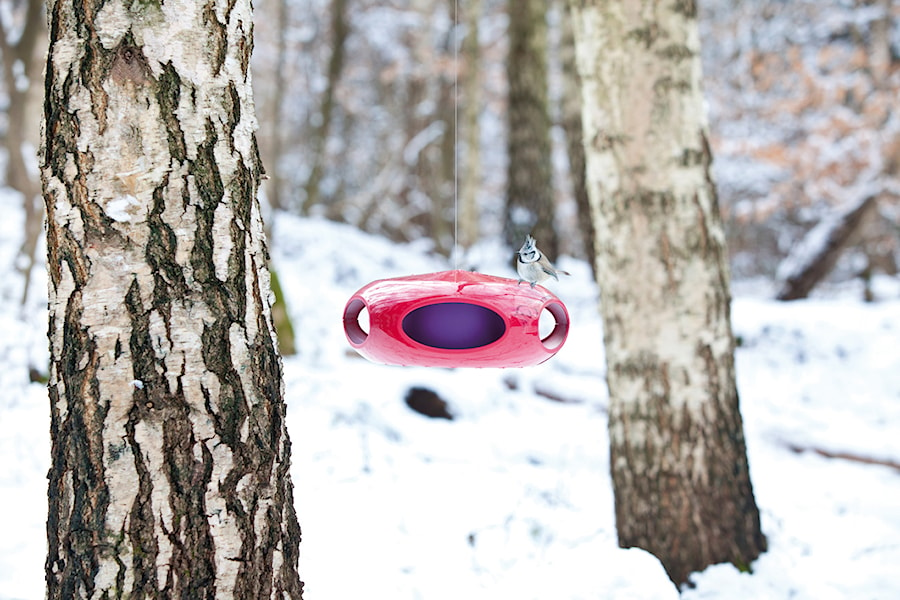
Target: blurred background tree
x,y
529,185
802,120
22,46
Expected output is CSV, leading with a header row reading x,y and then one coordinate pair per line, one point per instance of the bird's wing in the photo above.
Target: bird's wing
x,y
549,271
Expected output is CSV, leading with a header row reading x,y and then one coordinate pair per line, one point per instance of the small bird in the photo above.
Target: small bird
x,y
533,266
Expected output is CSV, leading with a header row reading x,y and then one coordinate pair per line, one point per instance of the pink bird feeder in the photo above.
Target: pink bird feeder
x,y
454,319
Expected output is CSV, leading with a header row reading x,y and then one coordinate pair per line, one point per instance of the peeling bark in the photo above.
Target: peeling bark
x,y
170,456
678,457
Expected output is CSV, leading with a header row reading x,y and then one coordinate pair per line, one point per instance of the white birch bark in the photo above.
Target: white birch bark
x,y
678,457
170,455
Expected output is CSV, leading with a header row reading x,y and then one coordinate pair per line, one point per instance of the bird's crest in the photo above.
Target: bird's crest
x,y
529,253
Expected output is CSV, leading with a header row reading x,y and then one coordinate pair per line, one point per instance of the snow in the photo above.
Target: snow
x,y
119,208
513,498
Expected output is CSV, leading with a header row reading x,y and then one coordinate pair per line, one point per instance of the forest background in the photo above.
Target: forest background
x,y
356,102
388,116
802,102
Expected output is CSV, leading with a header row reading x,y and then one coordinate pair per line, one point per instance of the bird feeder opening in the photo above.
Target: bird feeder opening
x,y
352,317
454,325
560,330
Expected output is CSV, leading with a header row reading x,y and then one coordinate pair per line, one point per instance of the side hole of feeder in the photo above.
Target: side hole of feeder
x,y
546,324
363,319
556,318
454,325
356,321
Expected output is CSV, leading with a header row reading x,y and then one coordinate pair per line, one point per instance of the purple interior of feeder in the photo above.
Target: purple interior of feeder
x,y
454,325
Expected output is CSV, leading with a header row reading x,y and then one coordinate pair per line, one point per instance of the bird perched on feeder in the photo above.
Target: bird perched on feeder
x,y
533,266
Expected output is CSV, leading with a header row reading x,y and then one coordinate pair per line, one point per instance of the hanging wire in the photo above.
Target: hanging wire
x,y
456,250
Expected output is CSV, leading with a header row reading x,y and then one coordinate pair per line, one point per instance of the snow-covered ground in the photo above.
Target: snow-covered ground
x,y
513,498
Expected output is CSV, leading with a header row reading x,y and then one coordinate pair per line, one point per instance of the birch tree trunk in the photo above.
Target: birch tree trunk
x,y
170,458
678,457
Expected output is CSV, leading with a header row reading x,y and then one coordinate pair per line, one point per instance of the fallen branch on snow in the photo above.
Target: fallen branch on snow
x,y
859,458
816,255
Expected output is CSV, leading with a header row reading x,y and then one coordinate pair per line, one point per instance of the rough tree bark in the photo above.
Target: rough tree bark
x,y
529,194
170,457
678,456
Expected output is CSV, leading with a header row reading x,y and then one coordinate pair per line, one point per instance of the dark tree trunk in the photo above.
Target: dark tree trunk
x,y
340,29
529,195
571,123
469,171
21,68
